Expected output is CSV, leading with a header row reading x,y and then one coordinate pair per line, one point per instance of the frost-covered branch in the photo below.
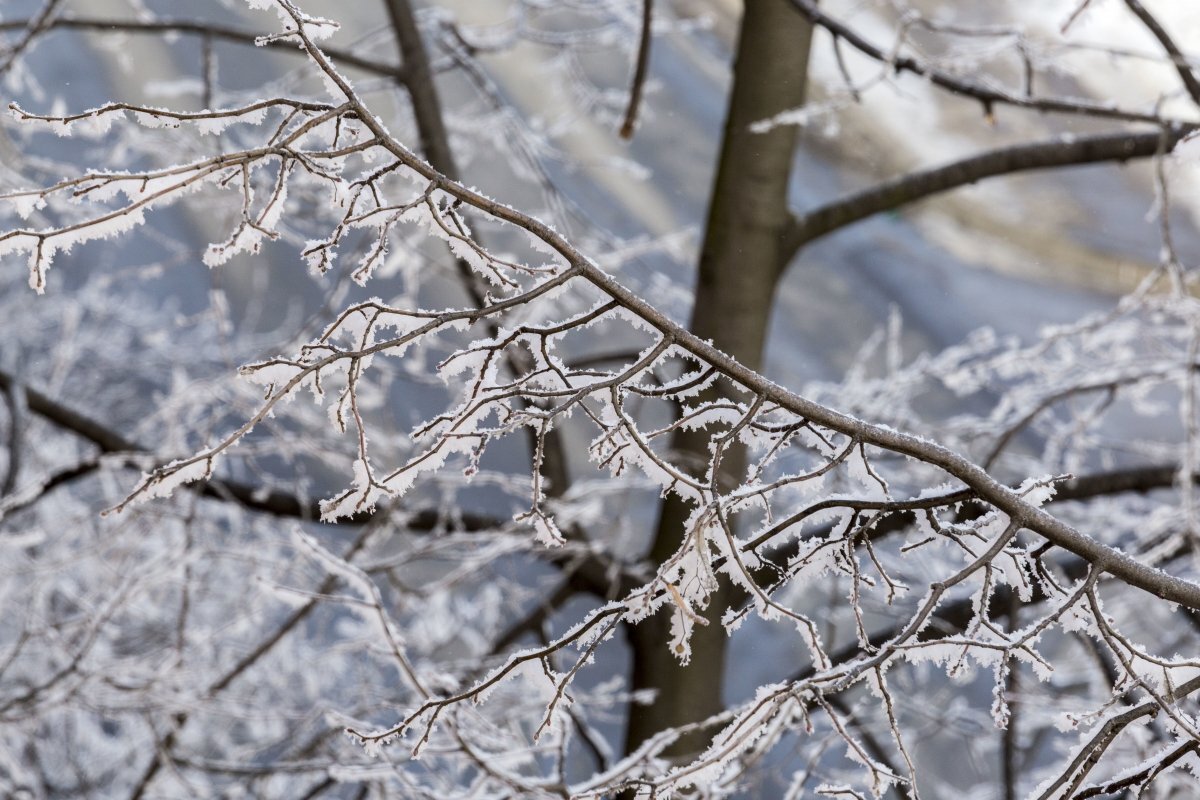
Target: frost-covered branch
x,y
531,404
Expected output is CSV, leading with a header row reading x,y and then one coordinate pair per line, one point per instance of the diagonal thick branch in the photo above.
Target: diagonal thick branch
x,y
988,489
1061,151
1168,44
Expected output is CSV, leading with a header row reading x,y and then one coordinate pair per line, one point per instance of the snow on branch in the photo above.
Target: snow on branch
x,y
786,493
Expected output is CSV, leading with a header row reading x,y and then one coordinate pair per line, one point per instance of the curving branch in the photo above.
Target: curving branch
x,y
1143,776
641,68
1168,44
901,515
1061,151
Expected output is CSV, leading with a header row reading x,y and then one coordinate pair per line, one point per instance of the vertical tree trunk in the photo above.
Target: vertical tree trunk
x,y
748,213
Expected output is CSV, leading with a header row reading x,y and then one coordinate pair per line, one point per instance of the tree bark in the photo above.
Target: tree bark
x,y
735,287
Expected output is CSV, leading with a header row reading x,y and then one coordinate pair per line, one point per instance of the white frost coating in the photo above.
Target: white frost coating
x,y
331,87
214,126
680,641
246,240
166,480
362,496
545,530
540,683
540,245
27,202
635,321
1037,491
1017,571
940,653
94,126
357,325
704,416
18,243
42,247
151,120
402,326
470,361
319,255
463,249
860,470
1042,669
272,375
270,216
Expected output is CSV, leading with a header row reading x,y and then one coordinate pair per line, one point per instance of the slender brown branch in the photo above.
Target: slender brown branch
x,y
14,400
1132,479
1168,44
639,73
1062,151
900,513
108,440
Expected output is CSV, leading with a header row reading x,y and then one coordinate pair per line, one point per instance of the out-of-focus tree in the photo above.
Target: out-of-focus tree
x,y
550,506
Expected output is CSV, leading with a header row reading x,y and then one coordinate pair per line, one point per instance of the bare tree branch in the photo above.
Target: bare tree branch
x,y
1061,151
641,68
422,91
1168,44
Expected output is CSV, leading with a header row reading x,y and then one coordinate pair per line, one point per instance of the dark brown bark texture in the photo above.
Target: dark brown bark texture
x,y
747,217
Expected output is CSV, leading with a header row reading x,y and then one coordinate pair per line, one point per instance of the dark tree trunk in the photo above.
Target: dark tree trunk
x,y
747,217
